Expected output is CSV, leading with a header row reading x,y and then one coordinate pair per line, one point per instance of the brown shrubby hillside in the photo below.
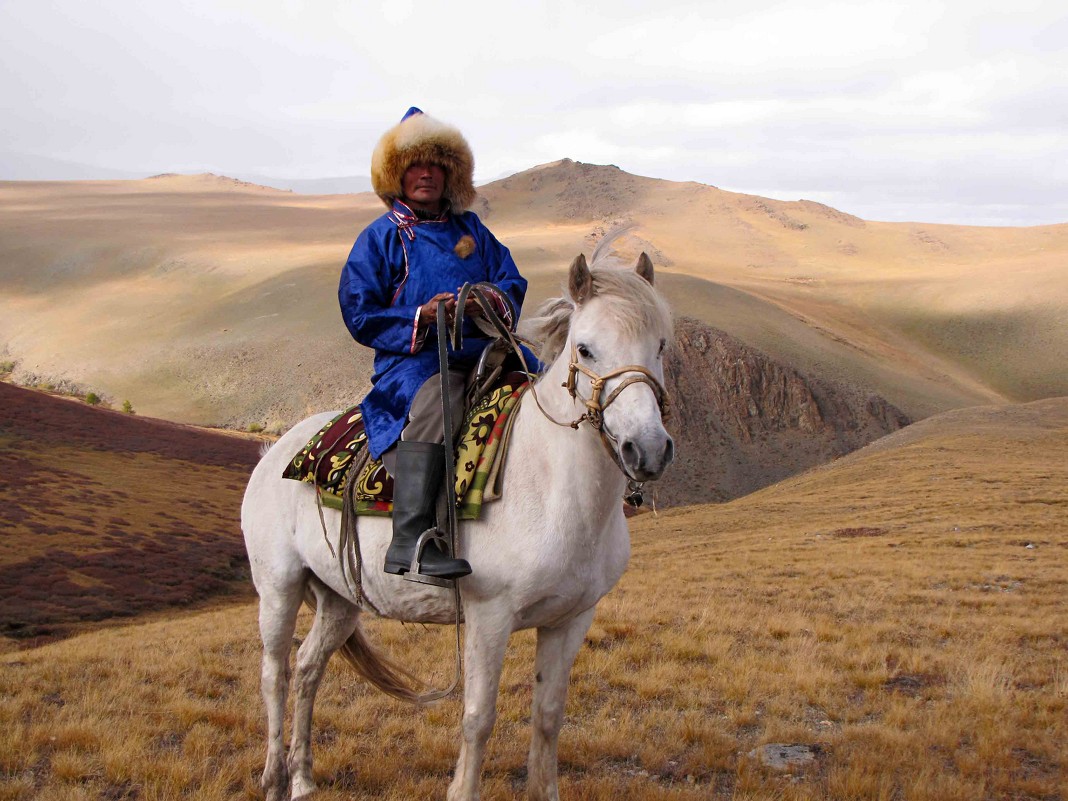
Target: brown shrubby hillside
x,y
107,515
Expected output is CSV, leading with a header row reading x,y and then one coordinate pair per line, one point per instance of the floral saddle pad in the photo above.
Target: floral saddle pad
x,y
336,455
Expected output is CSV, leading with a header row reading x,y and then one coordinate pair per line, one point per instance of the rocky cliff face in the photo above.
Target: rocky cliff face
x,y
742,421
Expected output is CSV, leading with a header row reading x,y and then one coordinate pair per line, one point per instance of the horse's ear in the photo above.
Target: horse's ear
x,y
644,267
579,280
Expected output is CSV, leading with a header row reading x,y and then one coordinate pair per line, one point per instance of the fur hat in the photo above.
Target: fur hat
x,y
419,137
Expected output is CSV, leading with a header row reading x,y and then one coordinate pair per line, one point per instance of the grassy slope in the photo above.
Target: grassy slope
x,y
886,608
208,301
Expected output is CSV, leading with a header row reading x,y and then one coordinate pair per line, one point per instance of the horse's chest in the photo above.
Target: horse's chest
x,y
570,584
552,610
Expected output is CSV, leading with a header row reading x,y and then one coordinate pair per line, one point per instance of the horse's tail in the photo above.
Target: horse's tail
x,y
385,675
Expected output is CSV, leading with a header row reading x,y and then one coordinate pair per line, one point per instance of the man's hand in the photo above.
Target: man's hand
x,y
472,308
428,312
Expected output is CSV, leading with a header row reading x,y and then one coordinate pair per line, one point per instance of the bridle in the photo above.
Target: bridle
x,y
595,407
594,413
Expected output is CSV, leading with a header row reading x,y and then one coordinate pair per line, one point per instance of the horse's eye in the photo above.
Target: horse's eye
x,y
663,344
584,352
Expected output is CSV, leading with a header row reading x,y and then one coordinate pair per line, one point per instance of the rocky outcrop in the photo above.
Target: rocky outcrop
x,y
742,421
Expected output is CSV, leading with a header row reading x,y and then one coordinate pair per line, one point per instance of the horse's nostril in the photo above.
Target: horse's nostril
x,y
669,452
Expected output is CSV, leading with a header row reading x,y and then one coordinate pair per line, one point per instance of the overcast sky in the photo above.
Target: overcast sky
x,y
932,111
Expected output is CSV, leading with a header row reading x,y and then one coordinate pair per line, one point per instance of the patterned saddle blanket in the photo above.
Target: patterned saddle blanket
x,y
337,454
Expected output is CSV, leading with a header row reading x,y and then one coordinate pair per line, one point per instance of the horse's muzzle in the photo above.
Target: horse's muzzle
x,y
646,460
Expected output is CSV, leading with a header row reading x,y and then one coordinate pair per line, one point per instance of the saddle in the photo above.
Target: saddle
x,y
337,454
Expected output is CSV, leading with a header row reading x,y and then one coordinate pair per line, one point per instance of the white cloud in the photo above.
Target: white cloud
x,y
769,40
943,105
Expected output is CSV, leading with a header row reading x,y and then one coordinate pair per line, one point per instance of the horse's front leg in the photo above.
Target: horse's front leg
x,y
556,652
278,621
485,639
335,620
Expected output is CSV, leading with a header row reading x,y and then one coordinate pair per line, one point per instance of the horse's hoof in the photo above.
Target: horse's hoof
x,y
276,785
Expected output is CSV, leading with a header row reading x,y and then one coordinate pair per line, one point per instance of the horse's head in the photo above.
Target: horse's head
x,y
619,329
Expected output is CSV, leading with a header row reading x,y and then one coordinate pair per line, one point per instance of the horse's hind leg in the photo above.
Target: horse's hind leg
x,y
556,652
278,621
335,620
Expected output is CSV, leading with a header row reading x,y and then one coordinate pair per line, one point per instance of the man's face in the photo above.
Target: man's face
x,y
424,185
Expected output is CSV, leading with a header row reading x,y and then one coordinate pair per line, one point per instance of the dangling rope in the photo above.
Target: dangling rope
x,y
451,523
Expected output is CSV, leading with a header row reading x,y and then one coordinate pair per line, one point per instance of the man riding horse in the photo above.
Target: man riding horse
x,y
401,267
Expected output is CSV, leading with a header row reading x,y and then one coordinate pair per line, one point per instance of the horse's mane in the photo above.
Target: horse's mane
x,y
630,299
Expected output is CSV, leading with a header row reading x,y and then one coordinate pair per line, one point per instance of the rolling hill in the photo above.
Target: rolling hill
x,y
208,300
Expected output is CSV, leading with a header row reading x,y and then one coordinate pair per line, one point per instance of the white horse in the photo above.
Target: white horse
x,y
542,556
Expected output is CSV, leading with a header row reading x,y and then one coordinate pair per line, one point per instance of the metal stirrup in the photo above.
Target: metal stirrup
x,y
431,535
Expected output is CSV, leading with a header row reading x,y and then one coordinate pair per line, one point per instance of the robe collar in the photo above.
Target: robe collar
x,y
406,219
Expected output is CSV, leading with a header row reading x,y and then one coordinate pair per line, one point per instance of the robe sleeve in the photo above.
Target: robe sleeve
x,y
368,286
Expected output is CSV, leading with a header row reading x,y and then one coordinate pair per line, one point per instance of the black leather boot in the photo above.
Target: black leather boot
x,y
420,467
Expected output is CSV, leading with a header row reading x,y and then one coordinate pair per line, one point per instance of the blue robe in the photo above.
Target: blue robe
x,y
398,263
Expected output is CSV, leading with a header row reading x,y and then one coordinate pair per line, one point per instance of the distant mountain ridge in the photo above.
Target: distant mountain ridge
x,y
28,167
340,185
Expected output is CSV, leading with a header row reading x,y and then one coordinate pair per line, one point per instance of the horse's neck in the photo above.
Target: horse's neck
x,y
582,473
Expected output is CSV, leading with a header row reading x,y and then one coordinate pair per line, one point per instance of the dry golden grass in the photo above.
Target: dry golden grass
x,y
886,608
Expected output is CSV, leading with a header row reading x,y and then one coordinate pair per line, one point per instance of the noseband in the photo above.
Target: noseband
x,y
594,413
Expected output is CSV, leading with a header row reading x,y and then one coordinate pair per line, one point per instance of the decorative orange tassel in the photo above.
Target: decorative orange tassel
x,y
465,247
